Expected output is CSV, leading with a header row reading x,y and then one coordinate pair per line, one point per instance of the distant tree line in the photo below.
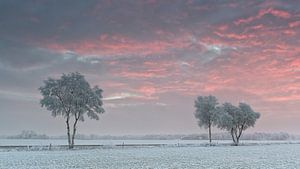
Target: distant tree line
x,y
234,119
29,134
249,136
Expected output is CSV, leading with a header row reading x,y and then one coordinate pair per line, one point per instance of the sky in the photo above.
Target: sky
x,y
152,59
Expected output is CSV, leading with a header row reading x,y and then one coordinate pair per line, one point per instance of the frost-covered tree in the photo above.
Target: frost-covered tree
x,y
71,97
206,112
236,119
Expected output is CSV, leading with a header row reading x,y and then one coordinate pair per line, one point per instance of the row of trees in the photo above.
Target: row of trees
x,y
234,119
72,97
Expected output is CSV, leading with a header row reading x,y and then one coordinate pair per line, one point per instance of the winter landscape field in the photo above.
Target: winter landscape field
x,y
188,154
149,84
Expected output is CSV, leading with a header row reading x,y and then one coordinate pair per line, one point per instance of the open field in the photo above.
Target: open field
x,y
271,156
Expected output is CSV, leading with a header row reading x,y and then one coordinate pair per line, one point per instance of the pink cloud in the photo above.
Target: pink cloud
x,y
294,24
120,45
275,12
265,59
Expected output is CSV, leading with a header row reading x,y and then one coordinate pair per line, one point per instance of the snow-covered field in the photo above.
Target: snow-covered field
x,y
271,156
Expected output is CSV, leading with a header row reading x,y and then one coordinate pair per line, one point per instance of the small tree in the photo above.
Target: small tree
x,y
71,97
206,112
236,119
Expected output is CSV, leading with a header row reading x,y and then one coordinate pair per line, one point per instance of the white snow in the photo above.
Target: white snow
x,y
273,156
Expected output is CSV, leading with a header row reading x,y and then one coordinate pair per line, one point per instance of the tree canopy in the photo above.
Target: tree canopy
x,y
71,96
206,112
236,119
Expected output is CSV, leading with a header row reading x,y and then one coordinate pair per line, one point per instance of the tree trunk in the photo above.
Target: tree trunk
x,y
74,133
209,134
68,133
73,137
233,137
236,138
240,134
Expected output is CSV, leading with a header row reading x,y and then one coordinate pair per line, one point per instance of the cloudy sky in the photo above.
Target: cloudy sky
x,y
151,58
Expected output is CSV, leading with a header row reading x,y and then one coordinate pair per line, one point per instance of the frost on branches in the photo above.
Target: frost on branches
x,y
72,97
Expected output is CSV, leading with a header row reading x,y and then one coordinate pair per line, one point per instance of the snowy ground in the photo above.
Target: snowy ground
x,y
259,156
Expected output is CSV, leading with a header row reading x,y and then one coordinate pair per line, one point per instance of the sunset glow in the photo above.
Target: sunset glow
x,y
153,58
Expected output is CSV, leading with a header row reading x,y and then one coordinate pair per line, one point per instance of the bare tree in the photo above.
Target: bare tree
x,y
71,97
236,119
206,112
